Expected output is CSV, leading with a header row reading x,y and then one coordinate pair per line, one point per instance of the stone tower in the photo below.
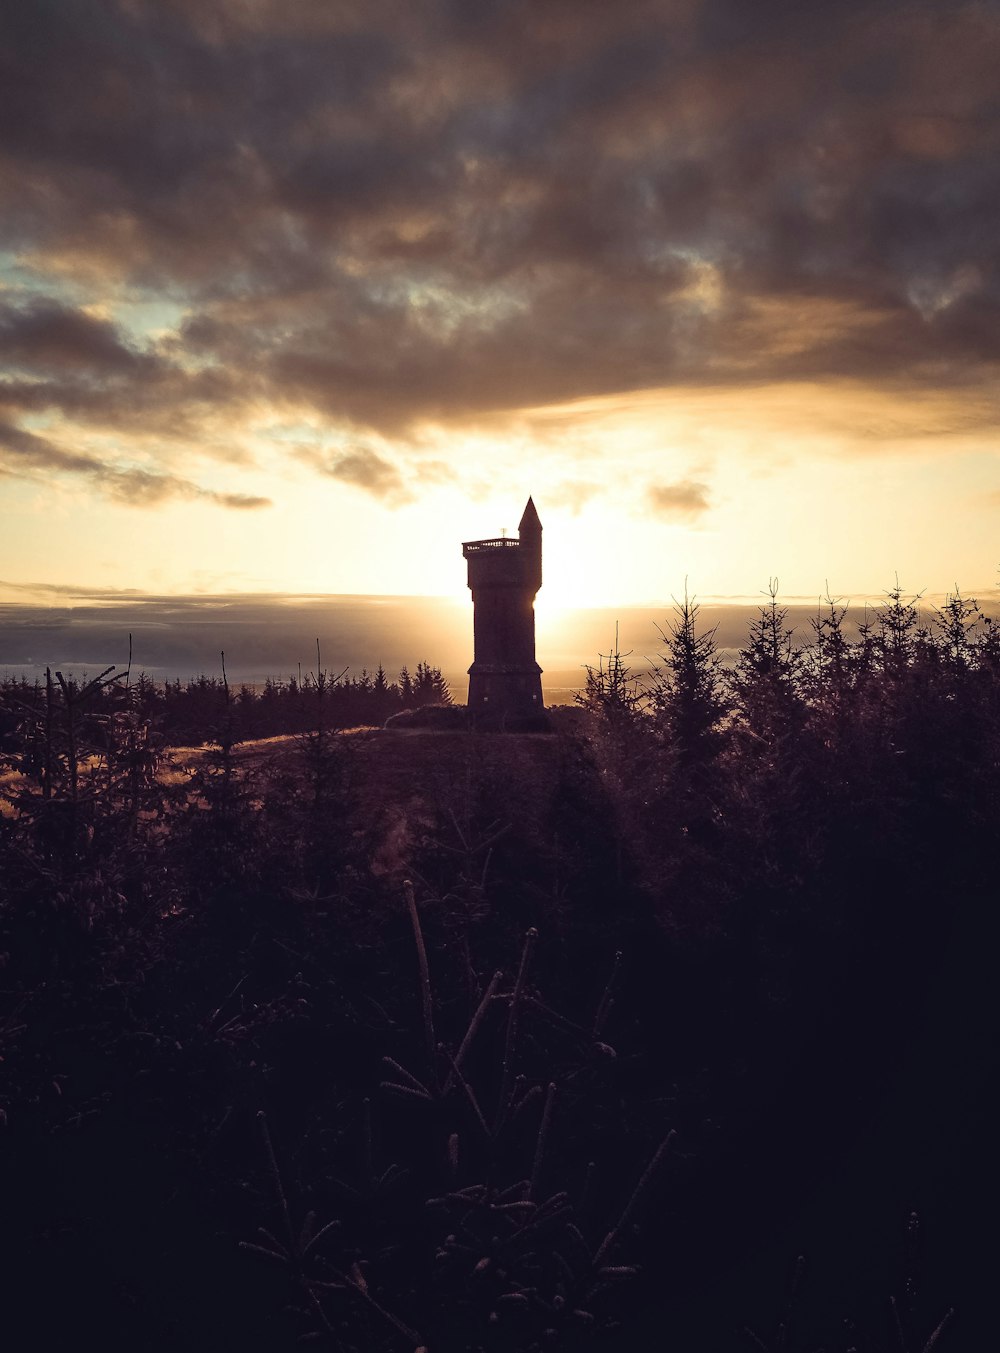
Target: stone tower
x,y
505,681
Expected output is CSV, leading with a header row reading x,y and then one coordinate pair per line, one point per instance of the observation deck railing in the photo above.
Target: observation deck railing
x,y
500,543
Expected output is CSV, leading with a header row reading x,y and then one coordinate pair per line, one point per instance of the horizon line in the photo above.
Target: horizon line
x,y
68,596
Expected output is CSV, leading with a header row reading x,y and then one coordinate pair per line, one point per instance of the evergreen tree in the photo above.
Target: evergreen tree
x,y
766,679
833,679
897,634
956,623
429,686
685,782
611,691
405,688
382,700
687,698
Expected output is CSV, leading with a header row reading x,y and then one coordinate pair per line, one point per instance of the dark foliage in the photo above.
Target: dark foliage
x,y
179,713
659,1009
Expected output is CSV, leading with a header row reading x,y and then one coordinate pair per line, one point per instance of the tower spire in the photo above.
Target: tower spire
x,y
529,518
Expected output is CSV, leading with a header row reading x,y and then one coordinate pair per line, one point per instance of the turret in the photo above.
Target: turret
x,y
529,533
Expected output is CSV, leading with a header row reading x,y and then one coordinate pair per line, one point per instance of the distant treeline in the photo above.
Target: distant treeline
x,y
205,708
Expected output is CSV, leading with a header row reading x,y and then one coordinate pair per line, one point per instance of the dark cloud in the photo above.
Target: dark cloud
x,y
364,468
59,358
79,629
682,501
20,448
44,335
29,454
389,213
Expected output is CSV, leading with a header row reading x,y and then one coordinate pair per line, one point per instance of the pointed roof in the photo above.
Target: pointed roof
x,y
529,519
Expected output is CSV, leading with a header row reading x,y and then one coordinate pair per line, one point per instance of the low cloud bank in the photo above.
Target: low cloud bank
x,y
272,636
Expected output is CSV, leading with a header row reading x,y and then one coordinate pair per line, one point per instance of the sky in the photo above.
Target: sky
x,y
297,295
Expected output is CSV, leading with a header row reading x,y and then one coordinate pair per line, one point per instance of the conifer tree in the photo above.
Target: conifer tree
x,y
687,697
956,623
766,679
381,697
429,686
611,690
405,688
833,676
897,633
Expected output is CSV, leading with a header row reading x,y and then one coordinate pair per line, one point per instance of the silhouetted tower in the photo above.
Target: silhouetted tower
x,y
505,681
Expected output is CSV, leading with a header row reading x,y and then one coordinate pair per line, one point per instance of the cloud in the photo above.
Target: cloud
x,y
28,454
379,217
683,501
573,494
45,335
433,472
363,468
262,634
241,501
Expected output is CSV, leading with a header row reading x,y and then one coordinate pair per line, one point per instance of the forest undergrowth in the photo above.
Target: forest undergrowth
x,y
511,1042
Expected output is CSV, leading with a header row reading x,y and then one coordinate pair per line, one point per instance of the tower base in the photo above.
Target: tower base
x,y
505,695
